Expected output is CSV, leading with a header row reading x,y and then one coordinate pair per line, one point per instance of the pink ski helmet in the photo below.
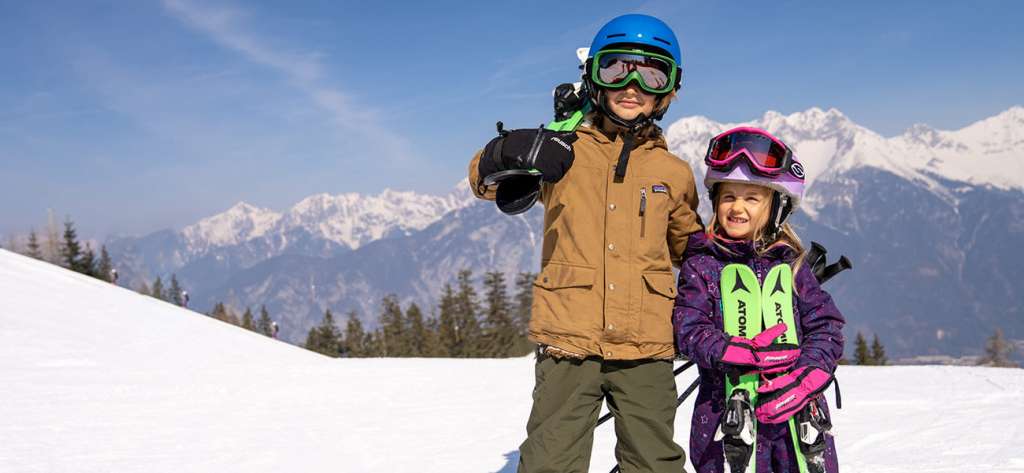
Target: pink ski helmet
x,y
750,155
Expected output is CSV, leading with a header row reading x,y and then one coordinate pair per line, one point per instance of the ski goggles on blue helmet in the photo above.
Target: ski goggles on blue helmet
x,y
617,68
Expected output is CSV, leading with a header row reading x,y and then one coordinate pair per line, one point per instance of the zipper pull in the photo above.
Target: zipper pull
x,y
643,200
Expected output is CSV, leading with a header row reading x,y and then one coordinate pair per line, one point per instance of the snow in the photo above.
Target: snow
x,y
240,223
97,378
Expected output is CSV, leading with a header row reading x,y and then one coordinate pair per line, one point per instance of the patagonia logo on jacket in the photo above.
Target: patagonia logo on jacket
x,y
659,188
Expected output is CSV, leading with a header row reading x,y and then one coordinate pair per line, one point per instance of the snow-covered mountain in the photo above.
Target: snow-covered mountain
x,y
214,248
240,223
348,219
102,379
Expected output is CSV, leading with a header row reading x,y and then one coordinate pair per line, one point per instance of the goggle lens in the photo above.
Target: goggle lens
x,y
614,69
765,153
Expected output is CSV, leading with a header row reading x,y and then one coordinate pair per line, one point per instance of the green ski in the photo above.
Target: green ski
x,y
777,300
741,313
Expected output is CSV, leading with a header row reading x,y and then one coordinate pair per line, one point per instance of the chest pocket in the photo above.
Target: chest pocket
x,y
654,204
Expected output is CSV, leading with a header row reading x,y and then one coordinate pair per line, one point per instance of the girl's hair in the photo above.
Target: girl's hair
x,y
786,236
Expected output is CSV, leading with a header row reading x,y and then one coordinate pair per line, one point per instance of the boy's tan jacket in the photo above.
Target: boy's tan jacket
x,y
606,286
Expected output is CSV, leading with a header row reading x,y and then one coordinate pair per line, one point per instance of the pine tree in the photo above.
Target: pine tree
x,y
355,337
219,312
393,335
247,320
448,340
521,312
499,331
87,262
157,291
324,338
373,344
105,268
878,353
861,355
71,250
432,342
34,250
998,351
467,310
144,289
264,325
416,331
174,293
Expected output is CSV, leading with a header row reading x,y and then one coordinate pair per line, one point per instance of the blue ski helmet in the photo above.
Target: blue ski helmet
x,y
644,30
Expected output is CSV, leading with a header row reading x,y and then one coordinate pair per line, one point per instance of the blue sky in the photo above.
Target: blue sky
x,y
136,116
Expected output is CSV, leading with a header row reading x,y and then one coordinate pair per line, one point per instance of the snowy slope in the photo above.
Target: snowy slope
x,y
97,378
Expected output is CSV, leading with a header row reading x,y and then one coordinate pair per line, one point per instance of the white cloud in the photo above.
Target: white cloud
x,y
304,70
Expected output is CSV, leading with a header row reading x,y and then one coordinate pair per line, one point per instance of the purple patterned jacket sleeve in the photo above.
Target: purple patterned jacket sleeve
x,y
821,342
697,337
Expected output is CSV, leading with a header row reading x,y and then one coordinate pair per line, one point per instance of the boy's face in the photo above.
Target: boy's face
x,y
629,102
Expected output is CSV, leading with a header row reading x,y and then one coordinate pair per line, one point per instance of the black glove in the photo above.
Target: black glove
x,y
549,152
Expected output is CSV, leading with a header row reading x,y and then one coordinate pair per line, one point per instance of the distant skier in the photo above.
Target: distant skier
x,y
184,298
618,208
273,330
755,182
113,275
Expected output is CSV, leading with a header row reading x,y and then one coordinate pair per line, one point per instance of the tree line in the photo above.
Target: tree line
x,y
63,248
463,325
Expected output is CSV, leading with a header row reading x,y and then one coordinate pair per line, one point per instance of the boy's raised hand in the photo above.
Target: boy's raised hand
x,y
549,152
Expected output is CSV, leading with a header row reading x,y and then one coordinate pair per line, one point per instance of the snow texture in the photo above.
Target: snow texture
x,y
97,378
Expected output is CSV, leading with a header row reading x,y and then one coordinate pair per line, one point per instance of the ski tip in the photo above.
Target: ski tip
x,y
582,54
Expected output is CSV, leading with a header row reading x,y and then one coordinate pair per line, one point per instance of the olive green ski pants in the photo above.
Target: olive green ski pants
x,y
567,400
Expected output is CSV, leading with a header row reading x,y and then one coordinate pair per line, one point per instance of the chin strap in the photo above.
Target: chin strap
x,y
782,206
597,99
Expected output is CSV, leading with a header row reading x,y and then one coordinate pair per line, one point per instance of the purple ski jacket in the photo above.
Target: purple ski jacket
x,y
699,333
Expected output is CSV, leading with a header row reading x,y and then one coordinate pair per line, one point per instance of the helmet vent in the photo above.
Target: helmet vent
x,y
616,35
663,41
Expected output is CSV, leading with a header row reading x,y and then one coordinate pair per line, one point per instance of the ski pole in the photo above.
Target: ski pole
x,y
675,372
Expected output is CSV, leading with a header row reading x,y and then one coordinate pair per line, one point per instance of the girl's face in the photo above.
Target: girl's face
x,y
742,209
629,102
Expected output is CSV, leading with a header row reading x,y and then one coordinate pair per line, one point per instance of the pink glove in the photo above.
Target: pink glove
x,y
784,396
760,354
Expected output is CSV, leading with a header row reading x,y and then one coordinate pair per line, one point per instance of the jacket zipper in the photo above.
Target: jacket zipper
x,y
643,210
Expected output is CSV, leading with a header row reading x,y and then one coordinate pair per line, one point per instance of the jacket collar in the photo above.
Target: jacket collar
x,y
734,250
588,128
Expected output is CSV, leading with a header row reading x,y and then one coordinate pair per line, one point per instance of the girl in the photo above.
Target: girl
x,y
755,182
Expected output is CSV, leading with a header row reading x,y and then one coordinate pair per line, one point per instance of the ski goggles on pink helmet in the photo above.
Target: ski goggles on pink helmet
x,y
765,154
753,156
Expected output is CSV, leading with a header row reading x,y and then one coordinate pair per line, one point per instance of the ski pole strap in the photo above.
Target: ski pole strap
x,y
689,390
683,367
627,146
839,397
